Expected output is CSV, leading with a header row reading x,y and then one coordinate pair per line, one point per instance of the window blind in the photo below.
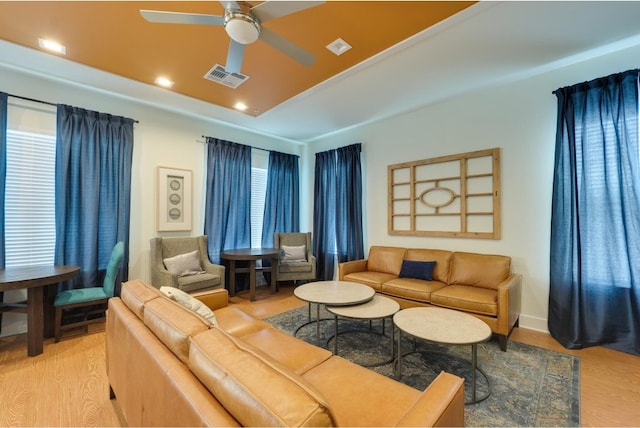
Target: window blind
x,y
30,198
258,191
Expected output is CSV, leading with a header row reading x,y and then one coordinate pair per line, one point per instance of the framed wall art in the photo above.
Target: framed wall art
x,y
455,196
174,199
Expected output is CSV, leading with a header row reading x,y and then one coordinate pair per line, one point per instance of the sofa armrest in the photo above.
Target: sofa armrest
x,y
213,299
346,268
441,404
509,303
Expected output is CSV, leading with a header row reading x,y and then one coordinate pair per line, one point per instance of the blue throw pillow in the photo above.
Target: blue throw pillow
x,y
417,269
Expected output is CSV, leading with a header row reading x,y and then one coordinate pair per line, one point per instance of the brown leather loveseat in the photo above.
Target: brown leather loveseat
x,y
169,366
479,284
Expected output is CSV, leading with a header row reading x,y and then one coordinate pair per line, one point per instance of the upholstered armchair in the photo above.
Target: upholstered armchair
x,y
296,262
183,263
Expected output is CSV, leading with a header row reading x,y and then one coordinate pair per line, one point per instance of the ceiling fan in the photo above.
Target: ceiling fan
x,y
243,24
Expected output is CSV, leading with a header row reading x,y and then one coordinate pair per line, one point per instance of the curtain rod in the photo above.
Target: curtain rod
x,y
257,148
41,102
32,99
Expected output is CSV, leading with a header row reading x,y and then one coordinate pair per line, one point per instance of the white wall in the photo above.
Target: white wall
x,y
160,139
520,118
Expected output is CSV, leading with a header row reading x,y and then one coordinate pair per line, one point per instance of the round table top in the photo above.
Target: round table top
x,y
334,293
249,253
378,307
18,277
442,325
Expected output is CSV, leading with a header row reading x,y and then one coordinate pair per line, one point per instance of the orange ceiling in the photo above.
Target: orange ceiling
x,y
112,36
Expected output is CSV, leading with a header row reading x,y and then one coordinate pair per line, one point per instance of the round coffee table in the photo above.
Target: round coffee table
x,y
331,293
379,307
446,326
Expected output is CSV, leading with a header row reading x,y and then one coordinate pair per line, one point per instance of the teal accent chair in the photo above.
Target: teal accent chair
x,y
88,297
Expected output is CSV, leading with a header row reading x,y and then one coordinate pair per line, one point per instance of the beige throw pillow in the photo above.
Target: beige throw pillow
x,y
184,264
294,253
190,303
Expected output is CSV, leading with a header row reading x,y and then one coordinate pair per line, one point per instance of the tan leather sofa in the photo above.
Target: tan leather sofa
x,y
479,284
168,366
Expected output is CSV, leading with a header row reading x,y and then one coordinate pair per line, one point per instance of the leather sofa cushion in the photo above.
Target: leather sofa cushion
x,y
297,355
370,400
136,293
385,259
413,289
214,299
173,325
372,279
255,390
467,298
479,270
237,322
441,257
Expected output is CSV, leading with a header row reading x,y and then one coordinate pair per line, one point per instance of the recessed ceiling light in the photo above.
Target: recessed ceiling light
x,y
164,82
52,46
338,46
240,106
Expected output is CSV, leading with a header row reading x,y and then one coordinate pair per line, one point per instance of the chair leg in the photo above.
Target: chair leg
x,y
502,340
58,324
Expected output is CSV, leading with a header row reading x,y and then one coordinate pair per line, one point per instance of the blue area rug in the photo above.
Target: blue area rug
x,y
529,386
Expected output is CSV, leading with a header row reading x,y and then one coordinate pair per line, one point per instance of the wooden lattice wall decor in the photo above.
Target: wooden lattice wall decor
x,y
456,195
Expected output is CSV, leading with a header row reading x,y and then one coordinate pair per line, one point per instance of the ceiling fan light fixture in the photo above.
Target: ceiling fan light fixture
x,y
241,27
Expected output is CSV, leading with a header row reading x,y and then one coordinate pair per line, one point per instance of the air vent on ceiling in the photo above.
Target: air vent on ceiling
x,y
338,46
219,75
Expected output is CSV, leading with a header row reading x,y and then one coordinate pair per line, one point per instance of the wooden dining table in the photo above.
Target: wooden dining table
x,y
251,255
35,279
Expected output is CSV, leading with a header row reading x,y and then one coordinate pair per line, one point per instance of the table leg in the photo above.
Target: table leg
x,y
49,310
232,278
35,321
274,274
318,324
1,302
393,340
398,370
474,364
335,336
252,279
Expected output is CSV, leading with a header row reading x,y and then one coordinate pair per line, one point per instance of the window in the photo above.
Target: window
x,y
259,170
30,184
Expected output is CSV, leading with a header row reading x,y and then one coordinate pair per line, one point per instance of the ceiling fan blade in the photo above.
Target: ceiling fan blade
x,y
275,9
234,57
286,47
181,18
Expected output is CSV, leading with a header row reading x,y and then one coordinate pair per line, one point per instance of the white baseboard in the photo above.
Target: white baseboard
x,y
534,323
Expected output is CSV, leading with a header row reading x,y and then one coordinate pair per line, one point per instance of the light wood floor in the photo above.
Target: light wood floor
x,y
67,385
